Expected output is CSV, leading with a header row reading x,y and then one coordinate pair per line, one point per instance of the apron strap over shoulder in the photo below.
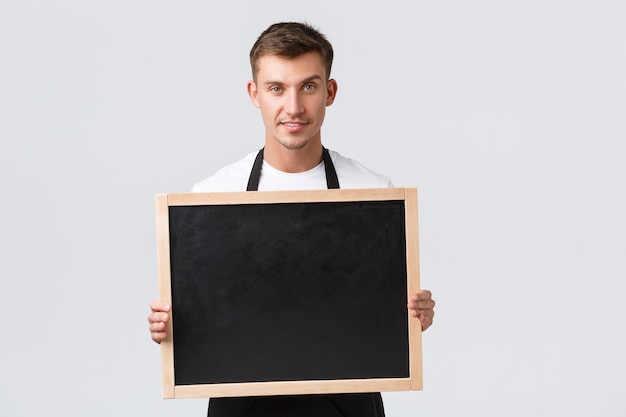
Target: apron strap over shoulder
x,y
255,174
332,181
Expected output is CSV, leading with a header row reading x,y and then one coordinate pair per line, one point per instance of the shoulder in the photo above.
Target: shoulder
x,y
352,174
232,177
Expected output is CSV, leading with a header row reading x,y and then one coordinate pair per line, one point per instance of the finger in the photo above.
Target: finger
x,y
426,321
158,336
425,304
158,317
161,306
422,295
156,327
422,304
420,312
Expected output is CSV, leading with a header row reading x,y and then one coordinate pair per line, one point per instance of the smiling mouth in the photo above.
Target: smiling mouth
x,y
294,122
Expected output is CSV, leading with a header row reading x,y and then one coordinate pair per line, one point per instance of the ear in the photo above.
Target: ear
x,y
253,93
331,91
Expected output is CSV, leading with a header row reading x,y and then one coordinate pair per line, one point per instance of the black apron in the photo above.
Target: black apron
x,y
331,175
317,405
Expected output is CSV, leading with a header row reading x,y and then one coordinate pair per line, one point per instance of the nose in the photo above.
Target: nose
x,y
293,103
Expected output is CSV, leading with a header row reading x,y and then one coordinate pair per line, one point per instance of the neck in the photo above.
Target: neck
x,y
293,160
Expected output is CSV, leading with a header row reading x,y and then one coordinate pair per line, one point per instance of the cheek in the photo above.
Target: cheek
x,y
321,106
269,113
269,106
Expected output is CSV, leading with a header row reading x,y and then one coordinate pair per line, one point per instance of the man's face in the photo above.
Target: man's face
x,y
292,94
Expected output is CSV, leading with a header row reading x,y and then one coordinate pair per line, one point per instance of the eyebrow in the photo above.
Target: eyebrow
x,y
306,80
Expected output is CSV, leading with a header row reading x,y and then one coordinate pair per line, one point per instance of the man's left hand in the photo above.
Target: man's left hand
x,y
422,306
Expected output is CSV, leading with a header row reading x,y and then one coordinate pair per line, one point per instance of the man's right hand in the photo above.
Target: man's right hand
x,y
157,319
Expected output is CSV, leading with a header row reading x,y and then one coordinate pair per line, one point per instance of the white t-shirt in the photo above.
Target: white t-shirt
x,y
234,177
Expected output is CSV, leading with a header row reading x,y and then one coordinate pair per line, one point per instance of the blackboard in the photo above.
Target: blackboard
x,y
289,292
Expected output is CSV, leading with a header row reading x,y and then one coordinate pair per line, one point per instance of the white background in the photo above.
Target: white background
x,y
509,117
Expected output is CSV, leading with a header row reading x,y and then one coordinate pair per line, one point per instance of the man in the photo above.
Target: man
x,y
291,85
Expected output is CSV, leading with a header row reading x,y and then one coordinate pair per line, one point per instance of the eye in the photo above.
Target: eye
x,y
309,87
276,89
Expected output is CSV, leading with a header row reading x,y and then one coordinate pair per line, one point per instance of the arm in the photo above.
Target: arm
x,y
421,305
157,320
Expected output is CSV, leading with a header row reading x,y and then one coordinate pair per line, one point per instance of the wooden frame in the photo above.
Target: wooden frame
x,y
172,389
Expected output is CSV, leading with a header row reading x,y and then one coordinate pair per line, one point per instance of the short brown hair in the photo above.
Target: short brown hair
x,y
290,40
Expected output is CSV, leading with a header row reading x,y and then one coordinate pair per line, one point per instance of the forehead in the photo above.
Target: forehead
x,y
279,68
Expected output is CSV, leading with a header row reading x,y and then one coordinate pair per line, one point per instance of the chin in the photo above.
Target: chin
x,y
294,145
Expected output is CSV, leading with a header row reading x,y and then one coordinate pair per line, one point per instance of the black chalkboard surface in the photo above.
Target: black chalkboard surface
x,y
289,292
